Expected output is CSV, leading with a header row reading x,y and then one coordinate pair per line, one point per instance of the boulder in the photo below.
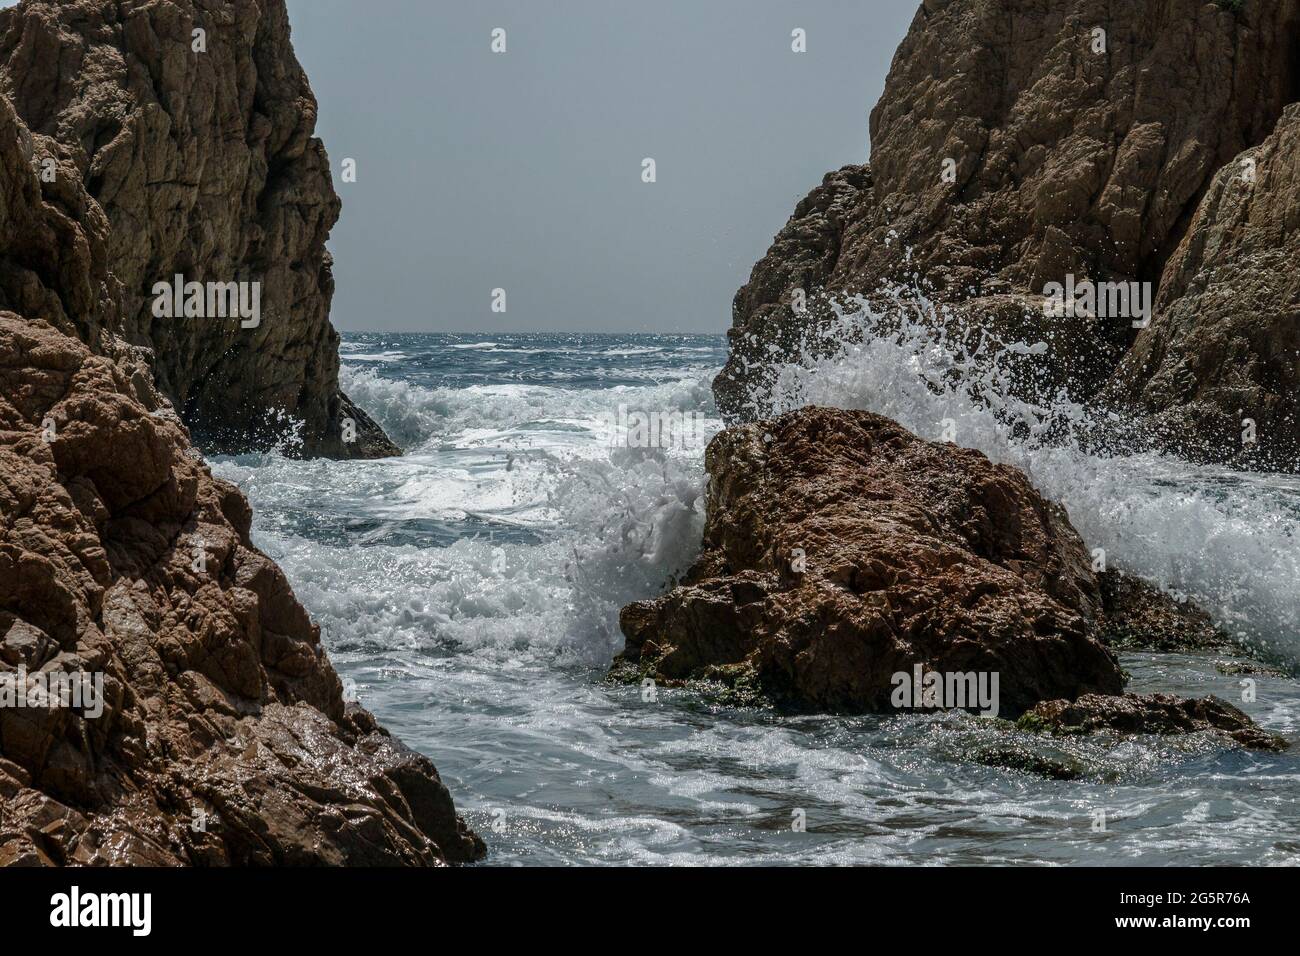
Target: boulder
x,y
841,550
1139,616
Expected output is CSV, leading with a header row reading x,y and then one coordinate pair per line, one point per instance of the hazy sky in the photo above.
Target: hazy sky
x,y
522,170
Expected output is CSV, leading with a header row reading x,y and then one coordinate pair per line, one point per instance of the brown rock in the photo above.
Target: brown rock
x,y
217,732
1139,616
1225,342
121,556
203,164
1150,714
1114,166
916,553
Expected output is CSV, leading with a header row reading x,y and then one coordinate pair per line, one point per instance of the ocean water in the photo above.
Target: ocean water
x,y
468,594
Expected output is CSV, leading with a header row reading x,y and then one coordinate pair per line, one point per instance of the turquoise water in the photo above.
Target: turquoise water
x,y
468,594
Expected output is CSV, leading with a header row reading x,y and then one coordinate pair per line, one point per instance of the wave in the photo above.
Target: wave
x,y
1229,540
614,530
420,418
510,529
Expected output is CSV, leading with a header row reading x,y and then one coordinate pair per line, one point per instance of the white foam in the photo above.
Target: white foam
x,y
1229,540
420,418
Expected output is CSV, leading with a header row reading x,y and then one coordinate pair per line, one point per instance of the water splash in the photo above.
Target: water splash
x,y
1228,540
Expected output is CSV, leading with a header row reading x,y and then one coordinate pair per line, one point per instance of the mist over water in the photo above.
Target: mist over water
x,y
468,594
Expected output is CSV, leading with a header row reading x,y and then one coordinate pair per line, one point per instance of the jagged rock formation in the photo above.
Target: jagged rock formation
x,y
1114,161
205,165
1150,714
221,735
840,550
1225,346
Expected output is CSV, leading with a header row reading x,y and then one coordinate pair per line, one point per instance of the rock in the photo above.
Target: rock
x,y
1139,616
202,164
215,730
1027,761
222,736
1123,165
1239,668
1224,346
1149,714
913,553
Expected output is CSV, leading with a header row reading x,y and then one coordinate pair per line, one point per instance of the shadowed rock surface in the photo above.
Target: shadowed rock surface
x,y
205,165
1227,332
916,553
1150,714
1122,165
1139,616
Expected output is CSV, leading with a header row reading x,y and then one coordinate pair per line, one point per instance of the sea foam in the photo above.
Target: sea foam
x,y
1228,540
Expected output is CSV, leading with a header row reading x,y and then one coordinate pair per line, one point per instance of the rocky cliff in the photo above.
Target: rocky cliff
x,y
164,698
190,124
1019,142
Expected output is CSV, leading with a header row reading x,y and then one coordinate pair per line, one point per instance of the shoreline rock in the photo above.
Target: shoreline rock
x,y
203,164
1149,714
841,551
1139,616
912,553
198,719
1041,158
123,559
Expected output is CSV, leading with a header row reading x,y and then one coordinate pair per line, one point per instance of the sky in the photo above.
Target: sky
x,y
523,170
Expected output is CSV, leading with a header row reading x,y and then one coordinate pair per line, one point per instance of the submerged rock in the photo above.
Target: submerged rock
x,y
1023,759
1149,714
841,551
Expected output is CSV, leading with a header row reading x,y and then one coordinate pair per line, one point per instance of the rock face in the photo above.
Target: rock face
x,y
1115,158
841,550
204,163
164,698
221,735
1225,346
1141,617
1150,714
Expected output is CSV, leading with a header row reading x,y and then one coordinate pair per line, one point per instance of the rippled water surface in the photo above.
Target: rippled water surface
x,y
468,594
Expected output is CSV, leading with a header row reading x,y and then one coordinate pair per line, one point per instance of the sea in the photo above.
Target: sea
x,y
468,594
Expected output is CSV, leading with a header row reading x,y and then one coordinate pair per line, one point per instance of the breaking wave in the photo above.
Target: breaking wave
x,y
1229,540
